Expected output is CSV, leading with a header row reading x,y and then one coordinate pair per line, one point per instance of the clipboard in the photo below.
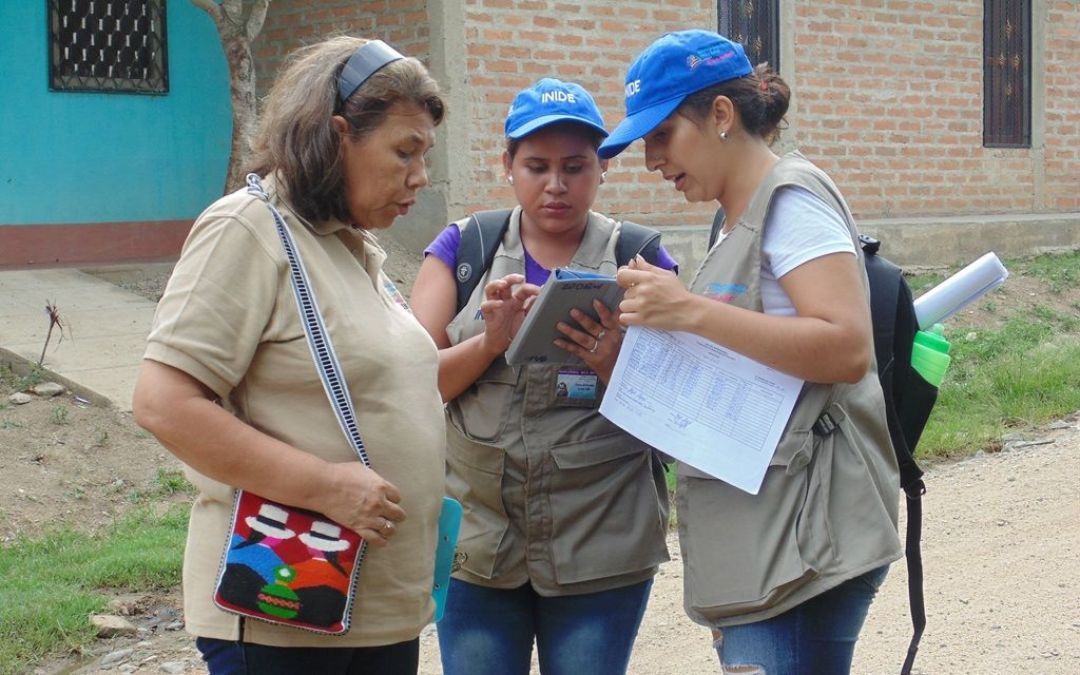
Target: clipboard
x,y
564,290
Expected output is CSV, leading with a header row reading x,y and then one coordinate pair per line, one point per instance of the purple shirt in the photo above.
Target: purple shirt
x,y
445,247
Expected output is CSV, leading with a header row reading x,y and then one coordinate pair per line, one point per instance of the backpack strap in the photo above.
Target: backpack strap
x,y
717,223
635,239
893,317
480,238
885,279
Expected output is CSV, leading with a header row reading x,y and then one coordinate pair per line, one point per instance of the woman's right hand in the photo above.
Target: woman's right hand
x,y
363,501
506,301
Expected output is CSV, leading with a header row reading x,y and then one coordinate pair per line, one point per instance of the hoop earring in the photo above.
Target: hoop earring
x,y
603,176
510,179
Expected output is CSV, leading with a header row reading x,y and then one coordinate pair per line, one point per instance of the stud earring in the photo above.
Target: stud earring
x,y
510,179
723,135
603,176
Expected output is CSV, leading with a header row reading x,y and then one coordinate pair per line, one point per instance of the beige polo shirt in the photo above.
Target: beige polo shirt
x,y
228,318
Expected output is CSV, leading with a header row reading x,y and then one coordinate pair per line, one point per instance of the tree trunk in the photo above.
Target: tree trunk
x,y
244,107
237,32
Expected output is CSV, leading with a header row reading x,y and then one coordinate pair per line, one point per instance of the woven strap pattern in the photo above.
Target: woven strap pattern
x,y
322,349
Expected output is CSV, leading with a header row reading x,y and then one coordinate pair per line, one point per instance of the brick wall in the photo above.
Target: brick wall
x,y
512,43
890,101
294,23
1062,191
888,94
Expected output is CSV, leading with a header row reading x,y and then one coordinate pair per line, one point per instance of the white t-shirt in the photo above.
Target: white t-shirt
x,y
799,228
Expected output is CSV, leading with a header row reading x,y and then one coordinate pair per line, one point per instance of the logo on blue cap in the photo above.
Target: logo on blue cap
x,y
665,73
551,101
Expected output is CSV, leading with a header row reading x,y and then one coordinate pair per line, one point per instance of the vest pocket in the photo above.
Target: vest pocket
x,y
608,518
481,411
746,553
474,477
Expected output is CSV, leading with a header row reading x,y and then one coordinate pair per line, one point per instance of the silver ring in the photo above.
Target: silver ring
x,y
387,525
600,335
596,344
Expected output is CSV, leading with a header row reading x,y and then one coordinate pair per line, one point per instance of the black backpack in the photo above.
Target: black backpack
x,y
908,402
481,238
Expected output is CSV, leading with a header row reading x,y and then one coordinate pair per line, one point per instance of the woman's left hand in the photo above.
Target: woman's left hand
x,y
596,342
654,297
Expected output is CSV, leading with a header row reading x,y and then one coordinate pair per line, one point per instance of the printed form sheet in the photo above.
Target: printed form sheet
x,y
701,403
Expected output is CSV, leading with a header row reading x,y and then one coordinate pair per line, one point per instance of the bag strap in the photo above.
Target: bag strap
x,y
635,239
322,349
480,240
916,601
714,231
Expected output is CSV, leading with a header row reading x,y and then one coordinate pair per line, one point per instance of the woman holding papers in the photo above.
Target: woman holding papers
x,y
784,577
565,514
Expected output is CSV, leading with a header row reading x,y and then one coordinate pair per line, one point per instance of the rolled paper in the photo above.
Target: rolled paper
x,y
959,290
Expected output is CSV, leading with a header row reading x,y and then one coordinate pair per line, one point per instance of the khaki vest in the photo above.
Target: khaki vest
x,y
554,494
827,510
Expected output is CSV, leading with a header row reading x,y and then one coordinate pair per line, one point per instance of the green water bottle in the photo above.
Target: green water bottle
x,y
930,354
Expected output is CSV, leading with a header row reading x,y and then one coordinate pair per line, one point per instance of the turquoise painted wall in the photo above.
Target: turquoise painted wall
x,y
86,158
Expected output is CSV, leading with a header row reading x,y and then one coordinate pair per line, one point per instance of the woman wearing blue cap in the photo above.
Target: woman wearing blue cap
x,y
565,514
784,577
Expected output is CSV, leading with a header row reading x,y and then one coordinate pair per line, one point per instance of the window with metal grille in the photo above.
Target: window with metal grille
x,y
1007,73
756,25
108,46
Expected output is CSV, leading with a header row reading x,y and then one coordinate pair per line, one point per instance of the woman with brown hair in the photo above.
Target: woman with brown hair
x,y
229,385
565,514
784,577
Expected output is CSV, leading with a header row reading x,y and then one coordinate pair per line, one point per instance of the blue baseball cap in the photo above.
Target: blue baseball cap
x,y
550,101
665,73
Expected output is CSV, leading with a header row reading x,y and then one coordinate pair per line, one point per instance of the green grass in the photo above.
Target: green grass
x,y
172,481
53,583
1018,376
1013,377
59,415
35,375
167,483
1061,271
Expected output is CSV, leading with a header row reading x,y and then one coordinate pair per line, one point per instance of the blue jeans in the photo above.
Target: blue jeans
x,y
488,631
225,657
816,638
